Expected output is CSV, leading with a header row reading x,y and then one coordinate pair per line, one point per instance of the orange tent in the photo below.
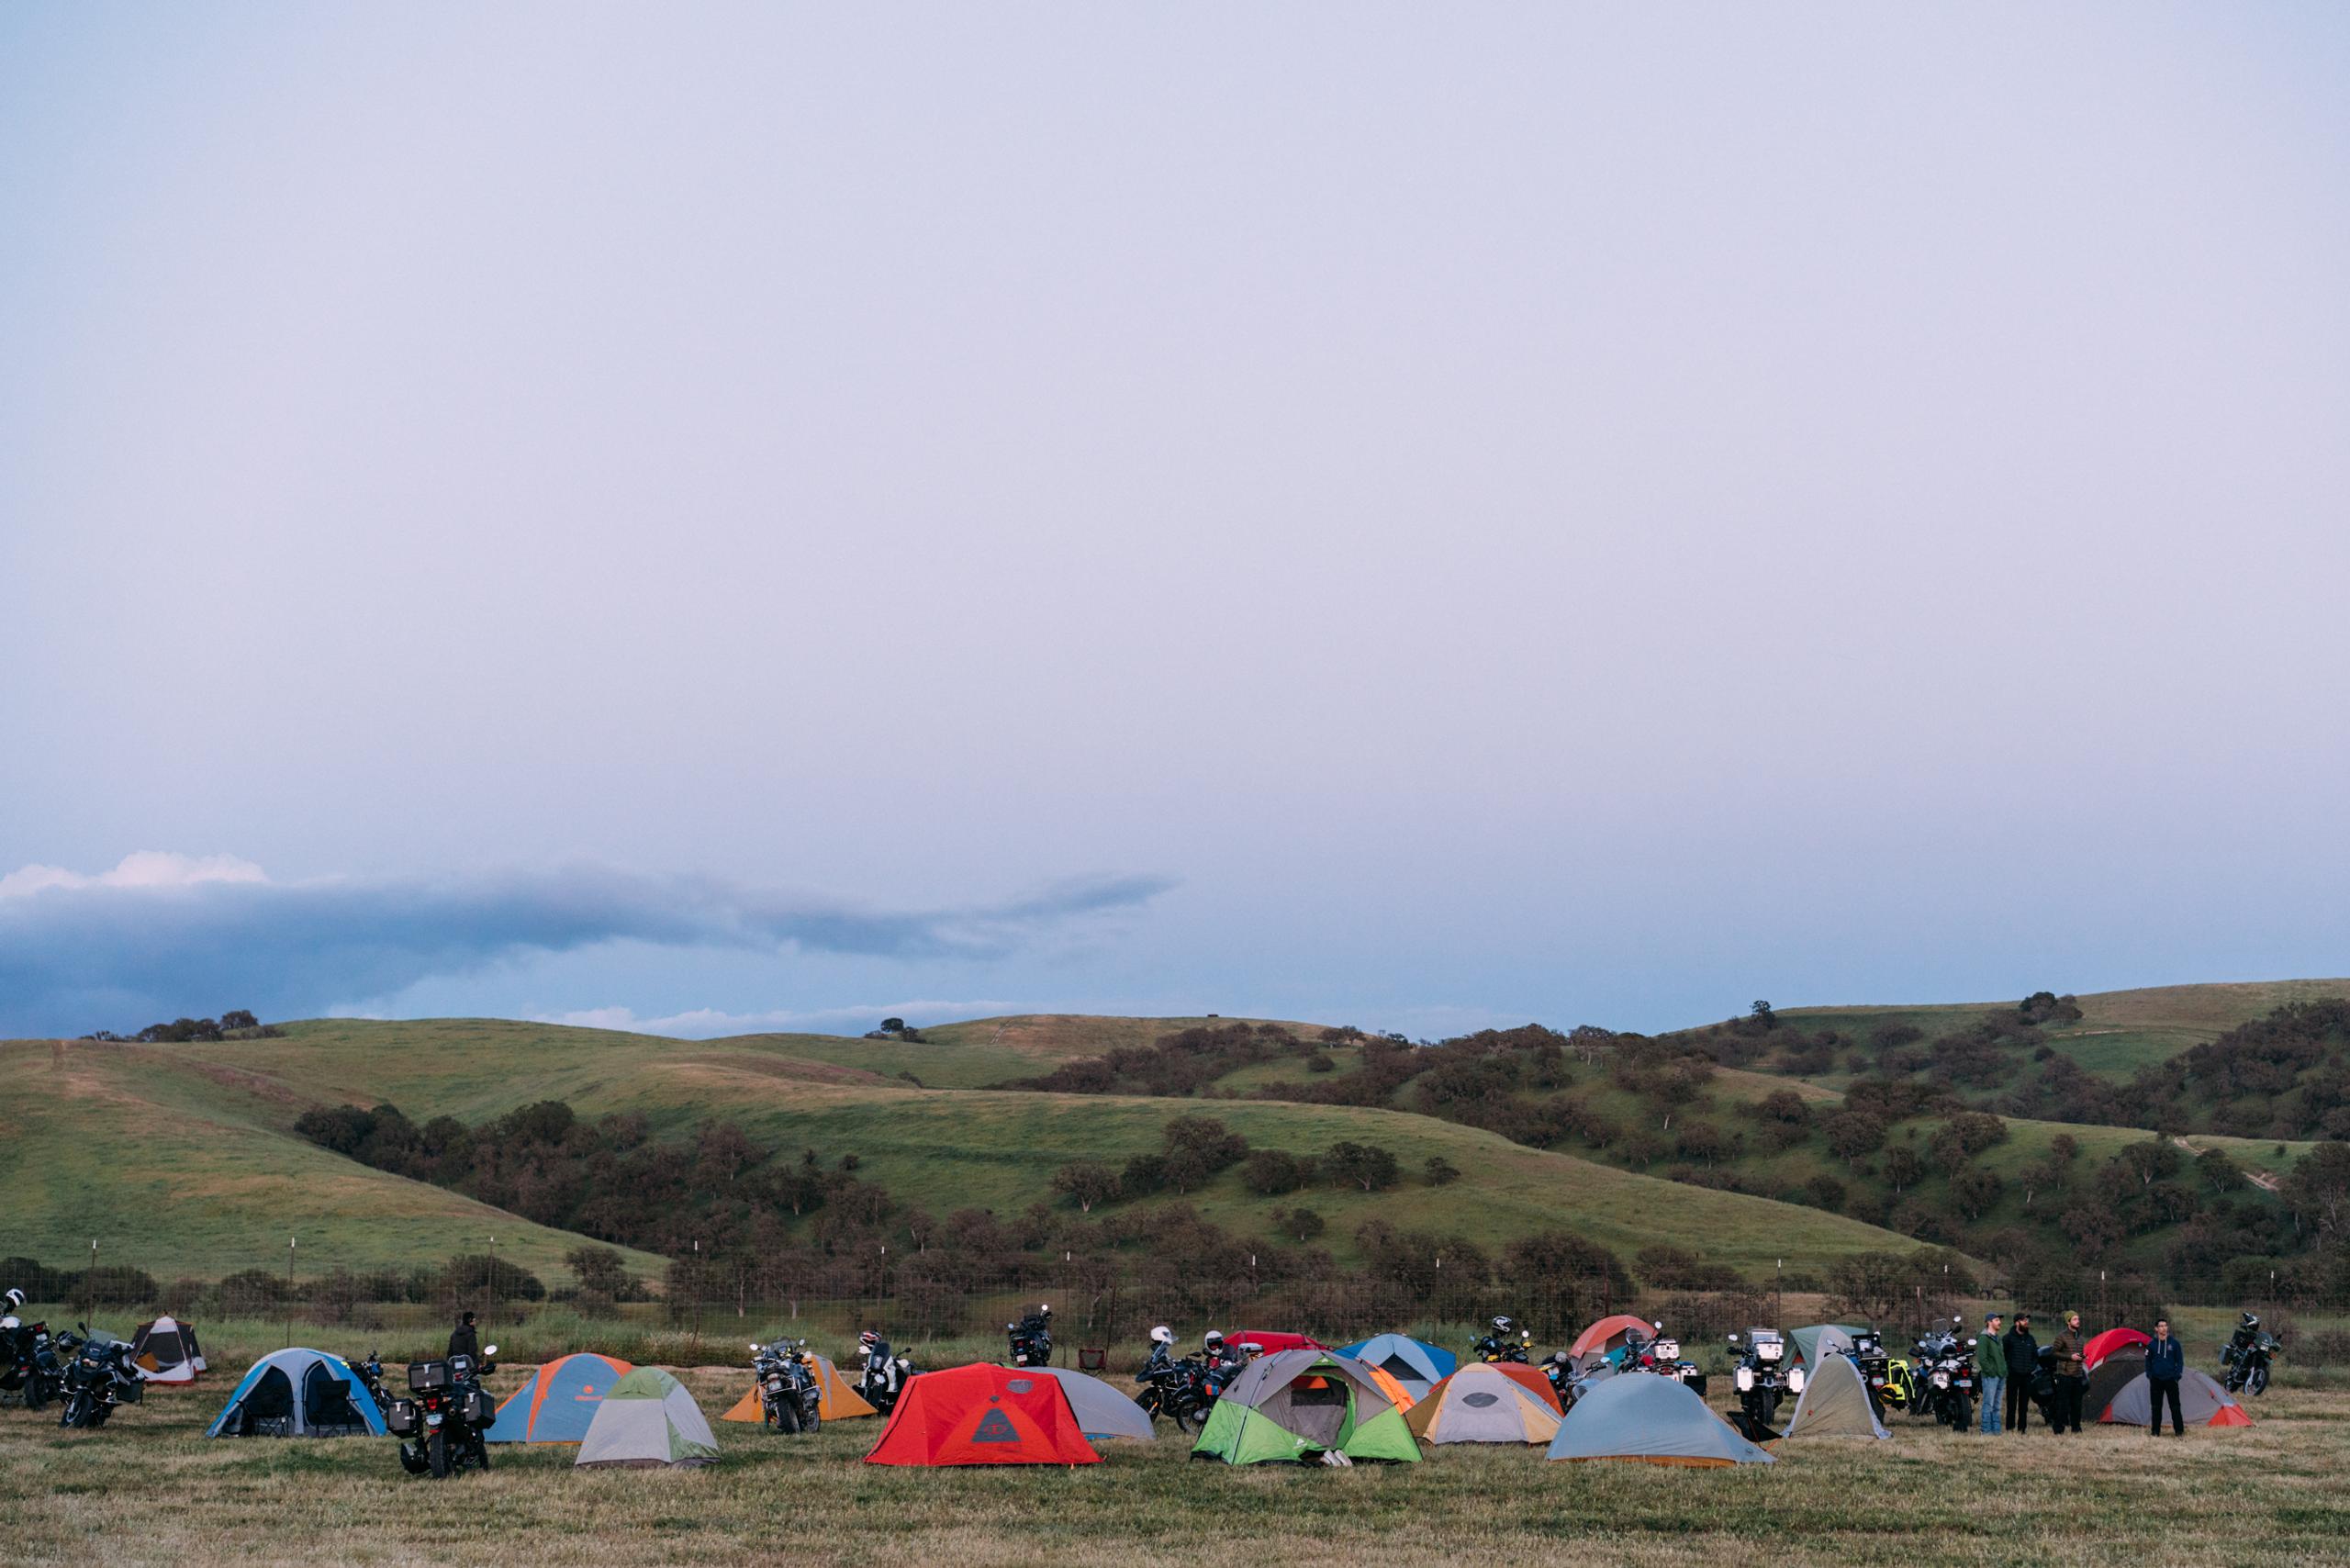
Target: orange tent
x,y
982,1415
1604,1333
835,1400
1534,1380
2103,1345
1388,1384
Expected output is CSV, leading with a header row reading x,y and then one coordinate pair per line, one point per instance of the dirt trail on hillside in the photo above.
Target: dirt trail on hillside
x,y
2264,1179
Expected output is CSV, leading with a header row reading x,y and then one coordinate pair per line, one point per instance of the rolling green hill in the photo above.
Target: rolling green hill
x,y
181,1166
236,1167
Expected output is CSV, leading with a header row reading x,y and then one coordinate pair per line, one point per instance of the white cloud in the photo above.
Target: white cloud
x,y
155,868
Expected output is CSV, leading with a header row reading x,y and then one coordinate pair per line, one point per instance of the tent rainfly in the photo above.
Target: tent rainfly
x,y
984,1414
165,1352
1482,1404
1650,1420
1300,1405
559,1402
1414,1364
2200,1399
647,1421
1609,1334
1822,1340
2113,1340
1102,1411
1835,1404
298,1393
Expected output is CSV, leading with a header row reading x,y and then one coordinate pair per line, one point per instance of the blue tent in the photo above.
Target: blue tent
x,y
559,1401
1651,1420
299,1394
1414,1363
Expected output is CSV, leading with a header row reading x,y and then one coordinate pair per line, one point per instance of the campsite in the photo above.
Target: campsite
x,y
1927,1496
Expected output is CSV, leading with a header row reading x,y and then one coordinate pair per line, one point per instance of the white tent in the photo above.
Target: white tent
x,y
1835,1404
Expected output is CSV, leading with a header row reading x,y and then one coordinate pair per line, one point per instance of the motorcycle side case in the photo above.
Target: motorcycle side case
x,y
402,1418
475,1410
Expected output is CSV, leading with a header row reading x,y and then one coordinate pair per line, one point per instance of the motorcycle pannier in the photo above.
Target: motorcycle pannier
x,y
425,1376
475,1410
401,1418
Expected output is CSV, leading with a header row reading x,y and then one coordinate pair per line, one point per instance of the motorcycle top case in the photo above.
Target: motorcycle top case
x,y
401,1420
426,1376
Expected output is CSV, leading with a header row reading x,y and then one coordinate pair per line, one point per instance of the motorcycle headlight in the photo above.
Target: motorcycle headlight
x,y
1941,1379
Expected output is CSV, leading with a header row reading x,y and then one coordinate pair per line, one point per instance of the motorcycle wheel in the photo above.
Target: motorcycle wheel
x,y
481,1452
1189,1419
72,1415
35,1395
436,1455
1960,1410
787,1416
99,1411
2258,1381
810,1420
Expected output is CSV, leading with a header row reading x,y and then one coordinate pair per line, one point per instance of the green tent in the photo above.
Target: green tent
x,y
647,1420
1838,1338
1298,1405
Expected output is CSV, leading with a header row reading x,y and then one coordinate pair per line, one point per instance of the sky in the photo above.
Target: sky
x,y
713,517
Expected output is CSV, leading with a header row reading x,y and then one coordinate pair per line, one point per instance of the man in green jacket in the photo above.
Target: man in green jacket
x,y
1991,1366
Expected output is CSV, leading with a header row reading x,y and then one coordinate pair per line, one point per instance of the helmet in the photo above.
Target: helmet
x,y
1212,1336
1559,1358
2250,1319
16,1299
1503,1326
1162,1335
869,1339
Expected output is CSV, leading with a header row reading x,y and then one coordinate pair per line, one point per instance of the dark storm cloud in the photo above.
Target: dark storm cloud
x,y
80,957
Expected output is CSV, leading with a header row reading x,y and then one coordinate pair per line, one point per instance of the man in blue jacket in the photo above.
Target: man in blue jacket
x,y
2166,1364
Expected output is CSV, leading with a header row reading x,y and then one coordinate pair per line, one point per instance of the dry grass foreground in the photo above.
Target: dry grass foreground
x,y
149,1489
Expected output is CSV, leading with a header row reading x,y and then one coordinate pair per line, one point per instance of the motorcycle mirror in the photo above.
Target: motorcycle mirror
x,y
488,1351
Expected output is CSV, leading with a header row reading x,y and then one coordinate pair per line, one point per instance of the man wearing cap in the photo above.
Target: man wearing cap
x,y
2021,1353
1991,1366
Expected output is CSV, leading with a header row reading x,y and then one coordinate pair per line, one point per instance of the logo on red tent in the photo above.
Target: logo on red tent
x,y
995,1426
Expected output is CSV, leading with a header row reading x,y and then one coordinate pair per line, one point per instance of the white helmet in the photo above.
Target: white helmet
x,y
1212,1336
1162,1335
15,1299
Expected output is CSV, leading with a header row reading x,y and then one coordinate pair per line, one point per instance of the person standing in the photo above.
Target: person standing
x,y
465,1339
2021,1353
1991,1366
2166,1364
2072,1381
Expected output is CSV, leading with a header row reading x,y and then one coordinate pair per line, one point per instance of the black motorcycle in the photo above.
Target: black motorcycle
x,y
1763,1377
99,1379
884,1379
1032,1339
440,1425
1183,1391
370,1374
789,1397
2245,1359
1945,1371
32,1372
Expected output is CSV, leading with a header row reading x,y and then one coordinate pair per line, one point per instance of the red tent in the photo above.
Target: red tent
x,y
982,1415
1608,1333
2103,1345
1273,1341
1534,1379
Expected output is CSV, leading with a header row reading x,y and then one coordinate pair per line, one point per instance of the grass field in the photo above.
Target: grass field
x,y
150,1490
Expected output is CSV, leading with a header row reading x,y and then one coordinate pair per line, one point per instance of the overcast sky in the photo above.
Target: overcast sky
x,y
759,516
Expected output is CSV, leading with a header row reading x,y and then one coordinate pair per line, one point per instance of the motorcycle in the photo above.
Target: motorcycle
x,y
1887,1378
33,1373
370,1373
100,1378
2246,1361
1183,1391
1947,1365
1661,1356
884,1379
440,1425
1031,1340
788,1397
1762,1376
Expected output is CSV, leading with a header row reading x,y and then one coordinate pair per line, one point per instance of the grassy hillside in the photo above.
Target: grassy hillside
x,y
180,1166
942,1149
2118,1031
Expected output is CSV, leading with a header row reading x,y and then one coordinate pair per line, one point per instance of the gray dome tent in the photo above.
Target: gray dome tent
x,y
1650,1420
1102,1411
1835,1404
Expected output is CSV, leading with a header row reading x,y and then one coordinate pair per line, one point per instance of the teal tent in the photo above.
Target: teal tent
x,y
1823,1339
